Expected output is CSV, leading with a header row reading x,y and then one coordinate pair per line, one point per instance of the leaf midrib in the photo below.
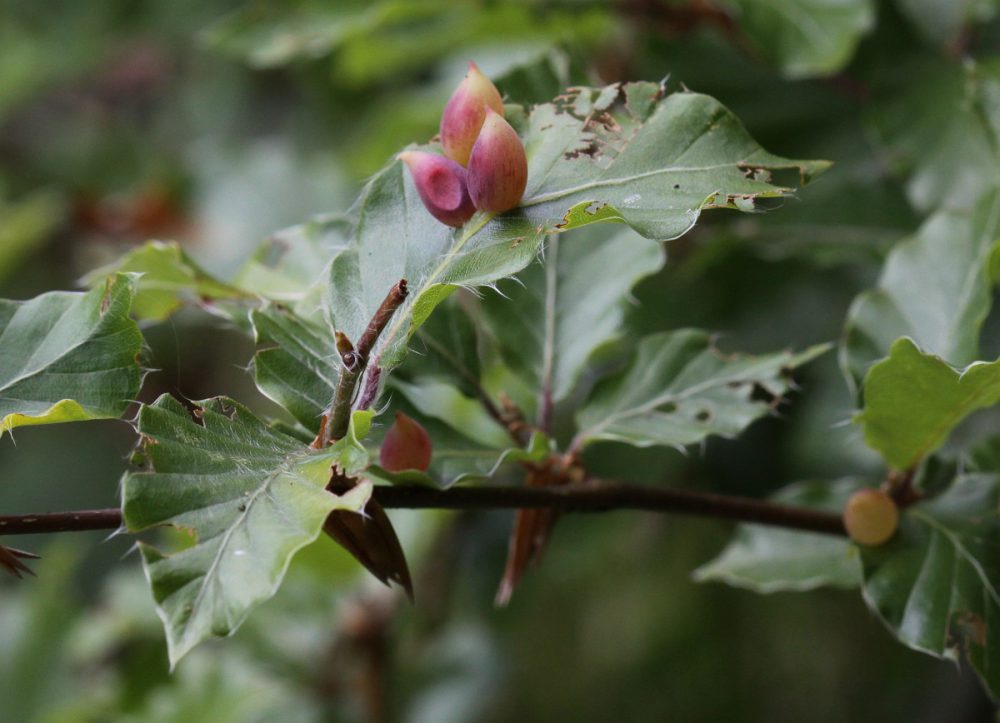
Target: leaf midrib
x,y
621,180
663,399
261,490
405,315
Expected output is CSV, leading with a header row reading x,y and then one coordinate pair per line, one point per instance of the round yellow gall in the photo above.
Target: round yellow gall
x,y
871,517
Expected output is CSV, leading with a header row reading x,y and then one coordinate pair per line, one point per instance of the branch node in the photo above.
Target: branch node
x,y
355,360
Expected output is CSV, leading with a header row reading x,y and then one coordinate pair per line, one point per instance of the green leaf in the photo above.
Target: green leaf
x,y
559,313
459,459
538,79
770,559
452,344
285,267
634,153
26,224
250,496
469,444
942,132
660,159
465,415
67,357
297,364
168,277
935,583
288,263
397,239
941,22
935,288
913,400
805,38
385,40
679,389
625,152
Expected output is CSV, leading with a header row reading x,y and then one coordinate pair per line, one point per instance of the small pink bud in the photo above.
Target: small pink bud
x,y
465,113
442,185
406,446
498,167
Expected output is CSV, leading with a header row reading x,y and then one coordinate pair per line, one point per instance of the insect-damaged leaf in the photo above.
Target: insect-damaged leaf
x,y
250,496
630,153
680,389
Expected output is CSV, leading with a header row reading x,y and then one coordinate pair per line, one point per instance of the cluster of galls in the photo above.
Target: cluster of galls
x,y
484,166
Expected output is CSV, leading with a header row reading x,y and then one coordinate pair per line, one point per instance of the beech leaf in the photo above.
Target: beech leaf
x,y
69,356
679,389
250,497
769,559
936,288
913,400
935,584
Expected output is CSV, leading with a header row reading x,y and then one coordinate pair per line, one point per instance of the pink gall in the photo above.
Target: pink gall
x,y
498,166
465,112
406,446
442,185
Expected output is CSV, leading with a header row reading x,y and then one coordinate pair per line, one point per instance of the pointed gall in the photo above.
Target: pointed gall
x,y
465,113
442,185
406,446
498,166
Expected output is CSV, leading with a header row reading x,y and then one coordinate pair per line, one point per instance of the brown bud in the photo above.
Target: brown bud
x,y
406,446
465,112
498,167
871,517
442,185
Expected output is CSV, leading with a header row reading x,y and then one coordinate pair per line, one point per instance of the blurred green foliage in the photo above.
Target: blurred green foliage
x,y
215,123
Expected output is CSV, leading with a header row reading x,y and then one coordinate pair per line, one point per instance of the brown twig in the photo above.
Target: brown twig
x,y
591,496
355,360
76,521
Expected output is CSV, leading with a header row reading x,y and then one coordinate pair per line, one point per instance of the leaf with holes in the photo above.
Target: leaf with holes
x,y
629,153
913,400
935,583
636,154
936,288
250,497
67,357
679,389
